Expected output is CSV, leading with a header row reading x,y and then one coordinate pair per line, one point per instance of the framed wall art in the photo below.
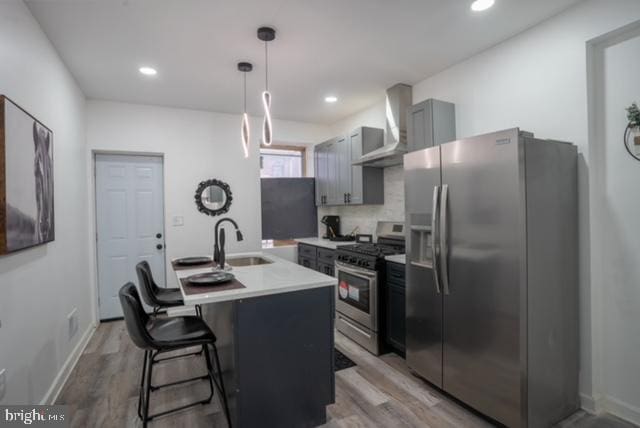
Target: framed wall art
x,y
26,179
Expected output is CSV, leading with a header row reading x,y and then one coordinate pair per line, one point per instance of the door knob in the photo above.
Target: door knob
x,y
159,246
158,235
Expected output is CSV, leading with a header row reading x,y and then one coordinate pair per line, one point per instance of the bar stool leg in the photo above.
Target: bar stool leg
x,y
141,389
223,391
145,418
207,359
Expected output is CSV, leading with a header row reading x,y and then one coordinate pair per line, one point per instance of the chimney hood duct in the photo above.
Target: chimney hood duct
x,y
398,100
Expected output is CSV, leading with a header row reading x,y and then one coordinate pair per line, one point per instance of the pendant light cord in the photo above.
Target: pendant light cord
x,y
245,92
266,68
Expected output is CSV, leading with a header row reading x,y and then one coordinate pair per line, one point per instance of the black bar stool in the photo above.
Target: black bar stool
x,y
158,297
159,335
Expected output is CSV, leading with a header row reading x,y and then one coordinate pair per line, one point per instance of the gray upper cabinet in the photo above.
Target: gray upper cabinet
x,y
343,178
338,182
320,160
367,183
430,123
331,184
355,147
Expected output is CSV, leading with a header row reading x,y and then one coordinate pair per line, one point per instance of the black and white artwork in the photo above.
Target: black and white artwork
x,y
27,194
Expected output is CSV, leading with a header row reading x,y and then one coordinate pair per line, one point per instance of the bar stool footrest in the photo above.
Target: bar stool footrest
x,y
177,409
179,382
173,357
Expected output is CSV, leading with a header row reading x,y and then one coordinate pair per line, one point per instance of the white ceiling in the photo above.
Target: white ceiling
x,y
351,48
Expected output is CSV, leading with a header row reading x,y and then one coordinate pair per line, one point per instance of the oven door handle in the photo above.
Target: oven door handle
x,y
353,326
346,268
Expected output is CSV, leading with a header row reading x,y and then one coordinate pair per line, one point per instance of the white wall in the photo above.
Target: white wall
x,y
40,286
196,145
621,236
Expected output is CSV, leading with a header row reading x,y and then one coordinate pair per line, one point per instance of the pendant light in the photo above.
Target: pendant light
x,y
266,34
245,67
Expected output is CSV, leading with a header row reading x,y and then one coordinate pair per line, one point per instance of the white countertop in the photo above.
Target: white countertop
x,y
281,276
398,258
325,243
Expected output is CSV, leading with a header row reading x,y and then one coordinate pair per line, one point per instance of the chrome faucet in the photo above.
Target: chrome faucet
x,y
219,236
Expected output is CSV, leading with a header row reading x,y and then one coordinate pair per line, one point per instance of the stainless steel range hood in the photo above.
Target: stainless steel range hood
x,y
398,100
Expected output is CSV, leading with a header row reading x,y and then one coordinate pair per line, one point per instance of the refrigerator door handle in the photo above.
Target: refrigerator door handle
x,y
434,241
444,237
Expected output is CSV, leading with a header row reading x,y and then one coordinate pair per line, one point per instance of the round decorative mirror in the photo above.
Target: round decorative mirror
x,y
632,141
632,133
213,197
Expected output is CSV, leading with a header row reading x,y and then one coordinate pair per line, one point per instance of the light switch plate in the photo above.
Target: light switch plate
x,y
178,220
72,320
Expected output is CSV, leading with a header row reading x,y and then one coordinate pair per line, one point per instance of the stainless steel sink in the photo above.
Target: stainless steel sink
x,y
248,261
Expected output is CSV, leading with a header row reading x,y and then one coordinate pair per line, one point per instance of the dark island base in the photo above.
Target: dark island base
x,y
277,357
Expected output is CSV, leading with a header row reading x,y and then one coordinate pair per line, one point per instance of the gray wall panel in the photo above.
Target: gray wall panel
x,y
288,208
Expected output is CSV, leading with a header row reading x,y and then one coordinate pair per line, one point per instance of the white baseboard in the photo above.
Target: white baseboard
x,y
589,404
606,404
61,378
622,410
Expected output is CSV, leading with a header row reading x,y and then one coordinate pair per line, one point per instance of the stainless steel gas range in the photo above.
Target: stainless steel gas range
x,y
360,272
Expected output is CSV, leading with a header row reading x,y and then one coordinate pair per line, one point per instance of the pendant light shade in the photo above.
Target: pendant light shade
x,y
266,123
245,134
245,67
266,34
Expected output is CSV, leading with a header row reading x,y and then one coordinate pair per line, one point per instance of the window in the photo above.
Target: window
x,y
282,162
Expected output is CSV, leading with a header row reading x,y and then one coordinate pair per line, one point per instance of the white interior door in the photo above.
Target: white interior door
x,y
130,223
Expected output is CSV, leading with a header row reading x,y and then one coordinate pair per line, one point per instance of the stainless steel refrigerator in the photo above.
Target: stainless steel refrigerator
x,y
492,293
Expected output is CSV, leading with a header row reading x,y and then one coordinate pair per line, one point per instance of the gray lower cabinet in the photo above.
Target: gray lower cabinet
x,y
338,182
316,258
395,306
276,354
326,269
430,123
307,262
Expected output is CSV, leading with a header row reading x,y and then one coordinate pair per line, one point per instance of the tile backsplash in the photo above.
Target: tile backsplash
x,y
367,216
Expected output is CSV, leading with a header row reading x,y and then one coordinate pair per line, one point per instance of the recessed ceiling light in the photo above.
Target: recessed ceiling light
x,y
330,99
148,71
480,5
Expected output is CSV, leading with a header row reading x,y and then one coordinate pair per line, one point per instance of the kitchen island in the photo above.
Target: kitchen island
x,y
275,340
